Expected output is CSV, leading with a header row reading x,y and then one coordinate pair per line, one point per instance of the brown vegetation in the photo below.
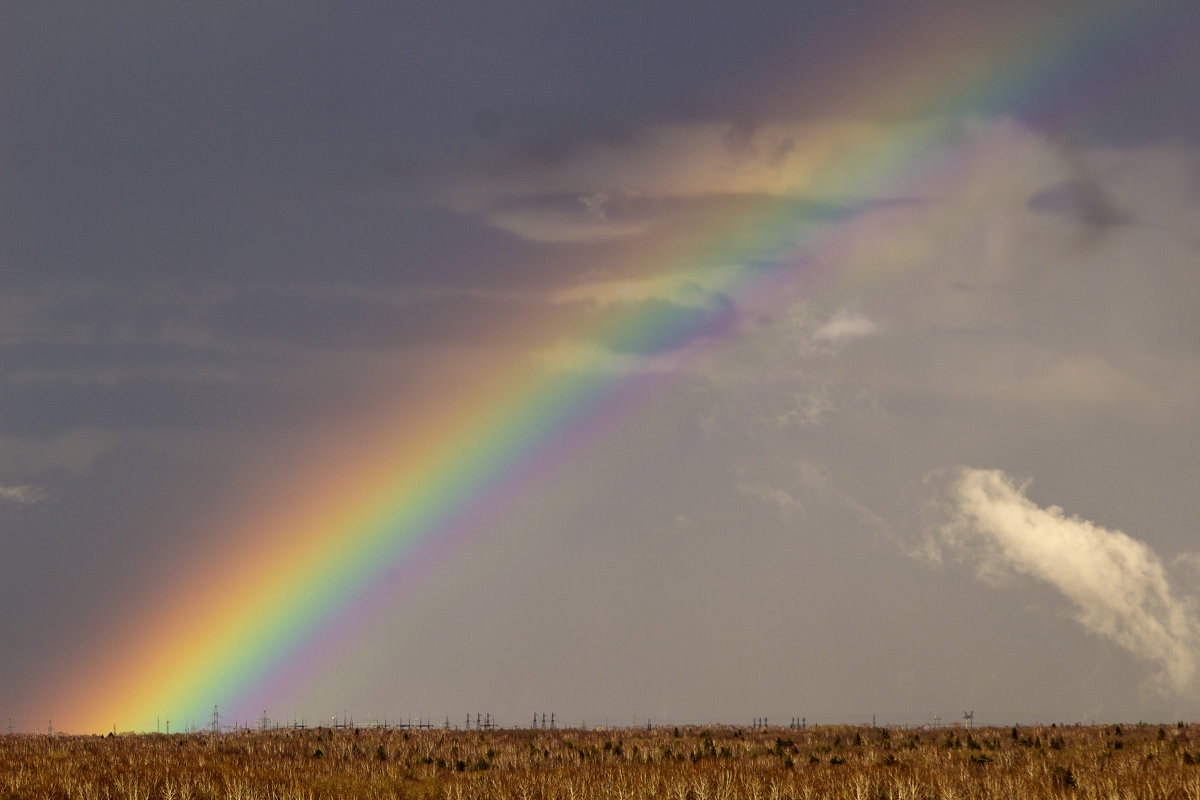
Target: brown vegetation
x,y
718,763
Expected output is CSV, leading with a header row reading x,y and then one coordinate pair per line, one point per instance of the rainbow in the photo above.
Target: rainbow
x,y
414,492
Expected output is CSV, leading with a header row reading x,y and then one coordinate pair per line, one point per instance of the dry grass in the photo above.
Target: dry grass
x,y
718,763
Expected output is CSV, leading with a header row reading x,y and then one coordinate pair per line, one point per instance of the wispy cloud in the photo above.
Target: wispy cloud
x,y
691,288
771,495
22,495
564,226
1189,562
589,358
1116,585
614,187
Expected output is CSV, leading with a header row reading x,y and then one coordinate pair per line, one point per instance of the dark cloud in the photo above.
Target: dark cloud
x,y
144,358
345,322
216,139
554,138
101,543
487,123
1124,88
47,408
1079,200
292,239
640,327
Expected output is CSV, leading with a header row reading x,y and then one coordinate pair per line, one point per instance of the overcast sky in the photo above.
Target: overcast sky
x,y
946,456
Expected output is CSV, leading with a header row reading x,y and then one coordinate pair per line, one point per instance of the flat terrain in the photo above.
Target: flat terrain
x,y
693,763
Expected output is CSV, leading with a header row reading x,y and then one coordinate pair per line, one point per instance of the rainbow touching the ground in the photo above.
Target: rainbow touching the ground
x,y
411,495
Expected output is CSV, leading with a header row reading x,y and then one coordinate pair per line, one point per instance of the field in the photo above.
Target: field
x,y
714,763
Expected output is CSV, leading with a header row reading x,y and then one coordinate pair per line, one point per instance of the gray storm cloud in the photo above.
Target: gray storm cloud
x,y
1117,586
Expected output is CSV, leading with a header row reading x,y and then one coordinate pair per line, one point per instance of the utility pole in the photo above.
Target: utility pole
x,y
216,721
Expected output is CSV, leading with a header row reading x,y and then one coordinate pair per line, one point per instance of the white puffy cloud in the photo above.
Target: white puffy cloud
x,y
845,326
1116,585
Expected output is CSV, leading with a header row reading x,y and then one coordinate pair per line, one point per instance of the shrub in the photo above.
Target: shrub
x,y
1063,777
